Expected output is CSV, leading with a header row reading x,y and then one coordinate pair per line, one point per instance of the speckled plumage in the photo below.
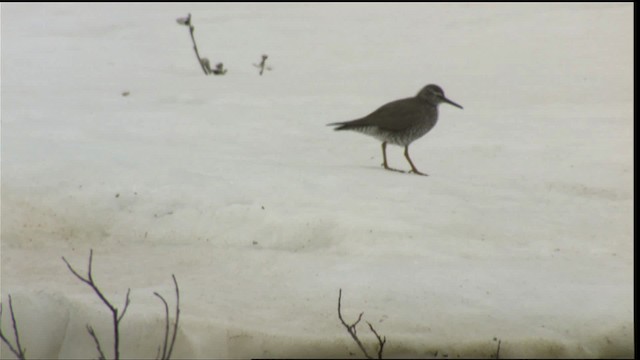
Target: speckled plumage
x,y
401,122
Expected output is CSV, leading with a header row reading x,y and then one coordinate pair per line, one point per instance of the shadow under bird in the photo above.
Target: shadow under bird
x,y
401,122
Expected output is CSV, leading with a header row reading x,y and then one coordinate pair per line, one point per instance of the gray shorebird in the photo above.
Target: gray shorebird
x,y
401,122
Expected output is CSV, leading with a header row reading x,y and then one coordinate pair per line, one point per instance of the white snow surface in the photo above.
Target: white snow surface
x,y
523,231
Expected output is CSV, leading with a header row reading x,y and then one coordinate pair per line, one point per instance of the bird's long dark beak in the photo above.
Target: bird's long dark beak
x,y
451,102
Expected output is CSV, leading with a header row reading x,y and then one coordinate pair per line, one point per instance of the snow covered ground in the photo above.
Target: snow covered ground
x,y
522,232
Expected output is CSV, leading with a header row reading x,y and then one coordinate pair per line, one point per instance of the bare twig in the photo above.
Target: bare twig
x,y
166,326
19,352
195,47
175,325
498,351
114,311
95,339
381,341
204,62
166,353
351,329
126,306
262,66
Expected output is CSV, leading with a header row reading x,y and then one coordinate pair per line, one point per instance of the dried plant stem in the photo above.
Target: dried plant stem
x,y
351,329
19,352
167,347
114,311
95,339
204,63
381,340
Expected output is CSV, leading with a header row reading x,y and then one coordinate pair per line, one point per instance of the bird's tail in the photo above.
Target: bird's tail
x,y
340,126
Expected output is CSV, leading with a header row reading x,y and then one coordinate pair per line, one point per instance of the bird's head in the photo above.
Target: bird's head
x,y
433,94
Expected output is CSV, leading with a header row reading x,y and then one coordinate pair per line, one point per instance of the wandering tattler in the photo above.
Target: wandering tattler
x,y
402,121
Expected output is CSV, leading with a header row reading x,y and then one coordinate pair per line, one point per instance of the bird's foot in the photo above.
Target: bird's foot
x,y
392,169
415,171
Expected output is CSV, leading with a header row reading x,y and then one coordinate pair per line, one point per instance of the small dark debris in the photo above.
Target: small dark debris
x,y
125,93
118,195
255,242
184,20
219,70
262,207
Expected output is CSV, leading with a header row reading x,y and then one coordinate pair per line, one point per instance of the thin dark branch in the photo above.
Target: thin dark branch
x,y
11,348
351,329
95,339
262,64
127,301
498,351
166,353
15,328
166,325
195,48
19,353
175,325
114,311
187,22
381,341
89,280
86,281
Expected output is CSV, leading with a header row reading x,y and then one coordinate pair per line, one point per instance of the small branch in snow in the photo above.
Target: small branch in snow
x,y
19,352
498,351
262,66
166,328
114,311
204,62
166,353
381,341
351,329
95,339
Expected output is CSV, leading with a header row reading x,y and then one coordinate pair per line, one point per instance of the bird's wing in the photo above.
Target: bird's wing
x,y
396,115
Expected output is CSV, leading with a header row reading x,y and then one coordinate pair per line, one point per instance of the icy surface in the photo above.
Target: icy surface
x,y
522,232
